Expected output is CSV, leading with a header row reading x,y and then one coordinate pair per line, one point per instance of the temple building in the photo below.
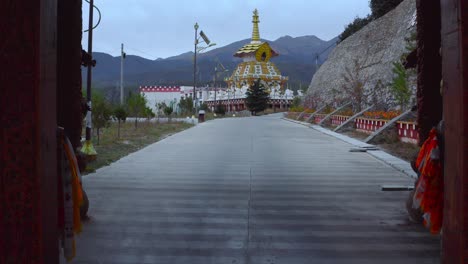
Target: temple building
x,y
255,65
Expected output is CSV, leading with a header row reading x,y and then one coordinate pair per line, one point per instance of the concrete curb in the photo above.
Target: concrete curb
x,y
394,162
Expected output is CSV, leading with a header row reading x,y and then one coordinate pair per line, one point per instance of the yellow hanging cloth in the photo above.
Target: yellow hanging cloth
x,y
76,185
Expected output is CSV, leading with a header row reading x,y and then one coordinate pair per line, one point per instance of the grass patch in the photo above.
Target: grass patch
x,y
112,148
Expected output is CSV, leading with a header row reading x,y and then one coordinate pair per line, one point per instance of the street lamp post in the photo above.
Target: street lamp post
x,y
196,50
215,79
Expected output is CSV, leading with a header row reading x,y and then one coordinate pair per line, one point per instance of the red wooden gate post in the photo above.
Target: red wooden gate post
x,y
429,66
455,80
28,167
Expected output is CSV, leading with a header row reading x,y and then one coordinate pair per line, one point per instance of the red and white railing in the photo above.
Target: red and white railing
x,y
318,118
408,132
337,120
368,126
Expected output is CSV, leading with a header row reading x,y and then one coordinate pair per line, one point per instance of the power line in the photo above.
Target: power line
x,y
320,53
317,55
99,12
142,52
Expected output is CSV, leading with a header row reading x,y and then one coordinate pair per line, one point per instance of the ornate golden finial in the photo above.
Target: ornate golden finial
x,y
255,32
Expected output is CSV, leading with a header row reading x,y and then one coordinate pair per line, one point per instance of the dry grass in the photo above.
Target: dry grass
x,y
389,142
405,151
112,148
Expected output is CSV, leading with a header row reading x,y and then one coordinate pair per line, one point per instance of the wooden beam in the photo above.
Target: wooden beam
x,y
352,118
47,131
332,113
394,188
300,115
316,112
383,128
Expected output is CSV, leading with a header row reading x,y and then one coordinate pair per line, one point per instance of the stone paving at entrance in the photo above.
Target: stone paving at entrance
x,y
250,190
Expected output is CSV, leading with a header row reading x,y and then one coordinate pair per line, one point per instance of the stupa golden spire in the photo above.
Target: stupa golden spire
x,y
255,31
256,62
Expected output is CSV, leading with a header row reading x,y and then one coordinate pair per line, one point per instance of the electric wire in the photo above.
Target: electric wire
x,y
99,13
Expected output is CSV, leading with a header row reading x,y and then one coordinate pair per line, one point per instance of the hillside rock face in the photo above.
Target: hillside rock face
x,y
367,55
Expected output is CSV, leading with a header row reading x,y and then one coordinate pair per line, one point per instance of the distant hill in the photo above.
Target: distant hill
x,y
296,60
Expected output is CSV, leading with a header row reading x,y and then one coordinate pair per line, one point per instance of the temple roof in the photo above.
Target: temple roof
x,y
252,48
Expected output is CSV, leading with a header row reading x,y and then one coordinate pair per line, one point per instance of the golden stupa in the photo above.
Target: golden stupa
x,y
256,62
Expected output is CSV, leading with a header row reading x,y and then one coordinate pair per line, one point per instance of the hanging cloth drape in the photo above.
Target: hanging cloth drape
x,y
429,191
70,197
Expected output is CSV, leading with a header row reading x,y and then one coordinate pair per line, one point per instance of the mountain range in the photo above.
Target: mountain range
x,y
296,60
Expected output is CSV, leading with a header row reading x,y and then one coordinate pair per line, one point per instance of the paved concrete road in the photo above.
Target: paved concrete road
x,y
250,190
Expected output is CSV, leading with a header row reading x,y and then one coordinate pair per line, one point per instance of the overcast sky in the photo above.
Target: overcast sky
x,y
164,28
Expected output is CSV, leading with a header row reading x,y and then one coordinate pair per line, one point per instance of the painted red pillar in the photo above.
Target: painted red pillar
x,y
455,95
429,66
28,210
69,97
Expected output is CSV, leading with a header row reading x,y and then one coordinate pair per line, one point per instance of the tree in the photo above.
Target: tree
x,y
378,8
101,113
186,105
354,85
353,27
381,97
220,110
257,97
296,102
399,85
149,113
204,107
120,114
382,7
168,112
136,104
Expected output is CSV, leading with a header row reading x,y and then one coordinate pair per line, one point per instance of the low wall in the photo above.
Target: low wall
x,y
337,120
368,126
408,132
318,118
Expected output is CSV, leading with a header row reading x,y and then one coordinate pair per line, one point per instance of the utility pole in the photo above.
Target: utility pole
x,y
215,79
88,148
195,70
122,57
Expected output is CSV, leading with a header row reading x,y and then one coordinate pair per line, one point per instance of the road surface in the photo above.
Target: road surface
x,y
250,190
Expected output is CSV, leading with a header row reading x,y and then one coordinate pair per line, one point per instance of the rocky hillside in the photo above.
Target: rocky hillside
x,y
366,57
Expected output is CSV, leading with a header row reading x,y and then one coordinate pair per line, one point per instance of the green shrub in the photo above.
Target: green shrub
x,y
296,109
220,110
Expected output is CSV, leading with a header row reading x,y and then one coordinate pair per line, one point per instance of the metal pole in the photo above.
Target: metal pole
x,y
195,70
89,77
215,79
121,74
234,101
316,62
88,148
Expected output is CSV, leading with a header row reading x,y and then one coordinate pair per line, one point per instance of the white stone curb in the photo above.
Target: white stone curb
x,y
396,163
